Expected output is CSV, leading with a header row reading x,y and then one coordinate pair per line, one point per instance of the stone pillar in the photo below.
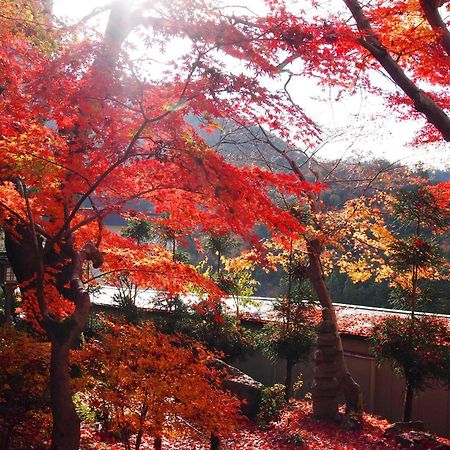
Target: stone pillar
x,y
325,389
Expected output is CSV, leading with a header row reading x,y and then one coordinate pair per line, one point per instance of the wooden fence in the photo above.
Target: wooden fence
x,y
383,390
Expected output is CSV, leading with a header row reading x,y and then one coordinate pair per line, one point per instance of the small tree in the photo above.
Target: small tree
x,y
237,280
291,340
418,350
404,249
220,245
292,335
143,382
415,254
209,324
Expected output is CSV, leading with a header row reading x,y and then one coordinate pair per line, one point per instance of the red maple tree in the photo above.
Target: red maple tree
x,y
85,132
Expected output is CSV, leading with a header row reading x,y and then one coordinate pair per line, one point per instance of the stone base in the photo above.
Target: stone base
x,y
326,408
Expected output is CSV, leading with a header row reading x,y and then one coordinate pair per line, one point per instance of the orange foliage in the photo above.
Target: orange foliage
x,y
147,383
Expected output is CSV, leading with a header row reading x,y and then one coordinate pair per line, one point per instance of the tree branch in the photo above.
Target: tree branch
x,y
422,101
431,12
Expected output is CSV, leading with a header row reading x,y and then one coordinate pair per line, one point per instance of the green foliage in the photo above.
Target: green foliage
x,y
282,342
369,293
127,307
292,336
14,304
206,323
431,296
140,229
419,207
220,245
272,404
218,331
96,324
415,251
295,438
418,349
83,409
415,256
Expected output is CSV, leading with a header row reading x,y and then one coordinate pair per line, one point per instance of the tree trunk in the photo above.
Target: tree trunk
x,y
157,443
5,437
288,379
409,395
9,294
66,424
422,101
351,389
215,442
137,445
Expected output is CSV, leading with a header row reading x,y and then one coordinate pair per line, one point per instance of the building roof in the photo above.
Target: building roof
x,y
355,320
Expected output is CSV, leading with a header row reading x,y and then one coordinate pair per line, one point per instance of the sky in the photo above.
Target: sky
x,y
360,114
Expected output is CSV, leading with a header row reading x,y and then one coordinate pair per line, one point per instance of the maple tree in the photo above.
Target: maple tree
x,y
408,40
236,280
397,237
84,134
141,382
85,131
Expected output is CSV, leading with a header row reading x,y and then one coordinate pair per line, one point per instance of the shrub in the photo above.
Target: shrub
x,y
144,382
24,378
272,405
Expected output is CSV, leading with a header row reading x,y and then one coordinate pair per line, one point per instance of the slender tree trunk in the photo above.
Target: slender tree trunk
x,y
9,293
137,445
66,424
6,436
407,411
157,443
288,379
215,442
351,389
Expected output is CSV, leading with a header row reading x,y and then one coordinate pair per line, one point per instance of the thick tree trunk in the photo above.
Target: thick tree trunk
x,y
288,379
351,389
62,333
66,424
409,395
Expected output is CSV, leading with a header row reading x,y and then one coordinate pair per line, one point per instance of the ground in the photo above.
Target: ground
x,y
296,430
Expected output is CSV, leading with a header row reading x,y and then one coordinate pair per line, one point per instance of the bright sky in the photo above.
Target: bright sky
x,y
380,137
